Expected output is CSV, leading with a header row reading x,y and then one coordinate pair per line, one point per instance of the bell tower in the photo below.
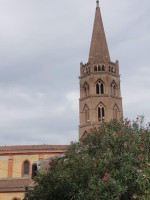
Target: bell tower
x,y
100,97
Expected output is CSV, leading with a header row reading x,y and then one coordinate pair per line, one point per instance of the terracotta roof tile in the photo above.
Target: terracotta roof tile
x,y
11,185
22,148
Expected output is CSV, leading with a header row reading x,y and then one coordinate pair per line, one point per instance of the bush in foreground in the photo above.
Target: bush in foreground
x,y
109,163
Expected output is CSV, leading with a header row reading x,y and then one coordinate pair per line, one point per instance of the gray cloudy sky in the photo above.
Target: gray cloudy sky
x,y
41,45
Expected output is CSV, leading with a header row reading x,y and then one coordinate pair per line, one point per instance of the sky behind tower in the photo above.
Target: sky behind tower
x,y
42,45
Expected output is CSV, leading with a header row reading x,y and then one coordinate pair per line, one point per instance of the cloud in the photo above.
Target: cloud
x,y
42,44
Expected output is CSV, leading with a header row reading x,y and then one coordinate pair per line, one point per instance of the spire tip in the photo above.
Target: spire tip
x,y
97,3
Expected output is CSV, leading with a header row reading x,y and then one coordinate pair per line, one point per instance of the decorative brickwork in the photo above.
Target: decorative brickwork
x,y
100,97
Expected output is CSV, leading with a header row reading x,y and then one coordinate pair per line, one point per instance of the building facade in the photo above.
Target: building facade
x,y
100,97
16,167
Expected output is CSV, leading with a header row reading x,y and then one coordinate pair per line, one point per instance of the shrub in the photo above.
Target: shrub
x,y
109,163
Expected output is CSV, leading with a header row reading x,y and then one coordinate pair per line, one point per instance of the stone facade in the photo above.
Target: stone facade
x,y
100,97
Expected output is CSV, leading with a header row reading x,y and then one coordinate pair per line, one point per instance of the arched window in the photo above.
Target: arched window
x,y
95,68
85,133
26,167
86,114
99,87
116,112
99,68
86,89
103,68
102,88
101,112
114,88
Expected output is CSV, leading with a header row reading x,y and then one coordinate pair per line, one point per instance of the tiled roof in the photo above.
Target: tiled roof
x,y
22,148
15,185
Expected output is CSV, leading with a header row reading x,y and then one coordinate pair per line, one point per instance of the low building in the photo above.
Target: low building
x,y
16,166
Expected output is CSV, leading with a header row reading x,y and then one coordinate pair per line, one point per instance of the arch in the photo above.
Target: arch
x,y
99,68
95,68
116,112
99,86
101,111
103,68
86,113
86,89
26,169
100,104
99,81
85,133
114,88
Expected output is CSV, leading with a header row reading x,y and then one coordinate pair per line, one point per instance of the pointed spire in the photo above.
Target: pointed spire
x,y
97,3
99,49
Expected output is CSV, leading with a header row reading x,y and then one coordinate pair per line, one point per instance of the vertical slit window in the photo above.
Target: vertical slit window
x,y
99,114
102,89
97,88
103,113
114,89
95,68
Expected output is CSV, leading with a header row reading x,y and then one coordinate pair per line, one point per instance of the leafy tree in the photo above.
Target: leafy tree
x,y
109,163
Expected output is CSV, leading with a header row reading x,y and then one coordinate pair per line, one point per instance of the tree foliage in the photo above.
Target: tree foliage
x,y
109,163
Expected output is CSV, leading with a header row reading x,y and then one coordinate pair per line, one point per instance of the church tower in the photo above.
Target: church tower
x,y
100,98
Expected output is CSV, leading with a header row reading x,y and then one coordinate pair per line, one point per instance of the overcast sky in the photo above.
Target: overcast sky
x,y
41,45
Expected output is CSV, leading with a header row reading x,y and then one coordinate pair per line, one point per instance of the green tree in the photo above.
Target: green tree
x,y
109,163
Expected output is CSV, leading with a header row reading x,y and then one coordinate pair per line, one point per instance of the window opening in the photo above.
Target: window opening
x,y
26,169
86,116
95,68
116,112
99,68
97,88
103,68
113,88
99,114
103,113
102,89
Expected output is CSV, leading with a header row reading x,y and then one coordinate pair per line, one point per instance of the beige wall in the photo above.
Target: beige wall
x,y
11,196
11,167
17,161
3,166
